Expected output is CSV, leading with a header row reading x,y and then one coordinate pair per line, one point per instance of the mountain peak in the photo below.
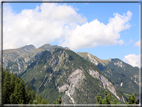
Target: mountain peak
x,y
48,47
45,45
28,47
92,58
51,47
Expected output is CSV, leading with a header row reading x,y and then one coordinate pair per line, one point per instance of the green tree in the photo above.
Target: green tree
x,y
13,89
28,87
114,101
39,99
6,87
99,99
32,95
16,94
21,92
35,102
12,99
60,100
132,99
12,84
107,99
43,101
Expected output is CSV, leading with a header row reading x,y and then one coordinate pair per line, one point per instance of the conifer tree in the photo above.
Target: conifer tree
x,y
99,99
39,99
28,87
6,88
43,101
132,99
13,89
16,94
32,95
12,84
21,92
106,100
114,101
35,102
59,101
12,99
28,93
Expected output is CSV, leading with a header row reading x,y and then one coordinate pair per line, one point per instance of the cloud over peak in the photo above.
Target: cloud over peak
x,y
44,24
51,22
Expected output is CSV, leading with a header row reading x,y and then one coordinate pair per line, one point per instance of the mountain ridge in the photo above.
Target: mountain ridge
x,y
58,61
54,70
115,70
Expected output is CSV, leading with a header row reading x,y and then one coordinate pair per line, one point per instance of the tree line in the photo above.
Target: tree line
x,y
15,92
108,99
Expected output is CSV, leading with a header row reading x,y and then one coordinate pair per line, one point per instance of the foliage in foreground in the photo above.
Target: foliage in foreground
x,y
108,99
15,92
132,99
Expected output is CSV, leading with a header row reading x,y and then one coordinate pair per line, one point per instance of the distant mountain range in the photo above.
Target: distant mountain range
x,y
77,77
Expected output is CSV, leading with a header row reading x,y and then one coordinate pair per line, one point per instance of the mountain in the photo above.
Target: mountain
x,y
17,60
123,75
49,47
54,71
62,71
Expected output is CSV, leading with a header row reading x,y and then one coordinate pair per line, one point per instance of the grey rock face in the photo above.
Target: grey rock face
x,y
106,84
17,60
73,81
119,64
63,88
93,60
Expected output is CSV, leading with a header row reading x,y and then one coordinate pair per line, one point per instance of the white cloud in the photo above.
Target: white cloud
x,y
44,24
137,43
95,33
49,22
132,59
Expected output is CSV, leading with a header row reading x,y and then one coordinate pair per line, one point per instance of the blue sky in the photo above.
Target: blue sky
x,y
106,30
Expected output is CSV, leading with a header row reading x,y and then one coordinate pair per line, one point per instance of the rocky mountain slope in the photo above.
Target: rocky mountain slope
x,y
125,77
54,71
17,60
62,71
